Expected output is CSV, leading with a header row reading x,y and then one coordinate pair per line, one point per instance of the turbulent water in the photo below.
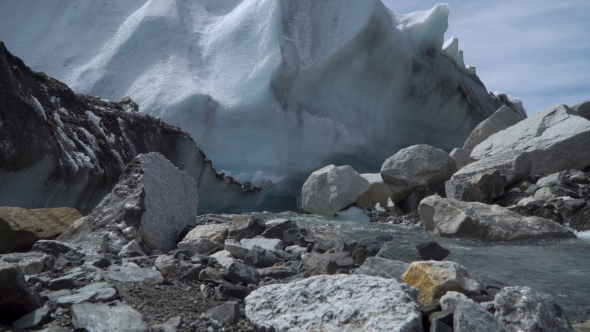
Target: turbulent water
x,y
560,268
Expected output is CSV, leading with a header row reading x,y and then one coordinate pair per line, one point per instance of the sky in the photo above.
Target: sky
x,y
537,51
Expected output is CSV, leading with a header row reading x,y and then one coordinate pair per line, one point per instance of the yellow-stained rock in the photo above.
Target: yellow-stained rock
x,y
434,279
22,227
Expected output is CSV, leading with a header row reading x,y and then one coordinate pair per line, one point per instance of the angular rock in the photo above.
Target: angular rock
x,y
236,249
546,194
319,264
553,180
227,313
261,258
30,262
192,273
171,325
200,246
528,201
378,192
227,291
277,272
330,189
431,250
168,266
16,299
329,238
574,204
438,326
32,319
486,187
450,300
383,267
53,296
296,250
470,316
335,303
503,118
94,286
449,217
414,167
363,248
434,279
131,249
152,201
69,300
245,227
21,228
107,317
555,139
105,294
238,272
462,157
399,251
210,274
224,258
213,232
583,109
67,281
264,243
294,236
130,273
57,248
276,228
522,309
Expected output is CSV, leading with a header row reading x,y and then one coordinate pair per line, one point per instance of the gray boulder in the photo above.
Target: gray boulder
x,y
153,202
261,258
503,118
522,309
399,251
107,317
245,227
363,248
199,246
328,238
227,313
238,272
384,268
462,157
236,249
555,139
470,316
330,189
328,263
449,217
415,167
16,299
583,109
377,192
224,258
335,303
213,232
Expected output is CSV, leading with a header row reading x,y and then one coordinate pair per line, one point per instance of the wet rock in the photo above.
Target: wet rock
x,y
213,232
200,246
99,262
469,317
414,167
431,250
378,192
522,309
449,217
328,263
30,262
434,279
503,118
462,157
399,251
32,319
382,267
67,281
236,249
227,313
363,248
227,291
277,272
264,243
107,317
331,189
276,228
16,299
153,201
131,249
261,258
370,304
450,300
130,273
238,272
245,227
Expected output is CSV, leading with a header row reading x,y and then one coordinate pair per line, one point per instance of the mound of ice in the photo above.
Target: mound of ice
x,y
272,86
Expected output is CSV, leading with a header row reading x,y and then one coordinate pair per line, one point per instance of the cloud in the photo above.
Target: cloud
x,y
538,51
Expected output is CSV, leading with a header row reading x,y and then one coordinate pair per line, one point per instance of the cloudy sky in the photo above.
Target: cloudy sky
x,y
537,51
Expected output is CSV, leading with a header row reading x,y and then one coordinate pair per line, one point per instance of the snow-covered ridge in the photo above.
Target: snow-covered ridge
x,y
273,86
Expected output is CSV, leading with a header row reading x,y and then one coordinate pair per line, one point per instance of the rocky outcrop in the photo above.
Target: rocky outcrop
x,y
330,189
152,203
555,139
21,228
319,303
418,166
448,217
377,192
503,118
61,149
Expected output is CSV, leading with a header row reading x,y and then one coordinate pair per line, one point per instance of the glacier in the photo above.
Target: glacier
x,y
271,90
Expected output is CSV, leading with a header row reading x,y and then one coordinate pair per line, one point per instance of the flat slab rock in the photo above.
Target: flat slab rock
x,y
130,273
335,303
106,317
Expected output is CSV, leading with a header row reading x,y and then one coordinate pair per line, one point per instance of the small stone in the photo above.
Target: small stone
x,y
277,272
261,258
53,296
227,313
227,291
545,194
192,273
94,286
363,248
210,273
398,251
68,301
133,274
296,250
213,232
528,201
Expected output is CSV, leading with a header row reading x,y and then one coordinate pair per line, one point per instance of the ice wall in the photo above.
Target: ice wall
x,y
277,86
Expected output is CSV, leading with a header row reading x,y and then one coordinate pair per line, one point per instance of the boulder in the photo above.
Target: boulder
x,y
107,317
431,250
236,249
16,299
330,189
512,166
168,266
67,281
21,228
503,118
384,268
449,217
377,192
210,274
414,167
213,232
399,251
227,313
328,263
294,236
470,316
363,248
583,109
245,227
69,300
555,139
334,303
522,309
486,187
153,202
434,279
264,243
462,157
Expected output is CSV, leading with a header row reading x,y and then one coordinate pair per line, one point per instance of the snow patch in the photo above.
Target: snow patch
x,y
37,106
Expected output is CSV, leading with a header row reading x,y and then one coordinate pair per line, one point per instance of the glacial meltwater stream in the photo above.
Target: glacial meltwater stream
x,y
558,267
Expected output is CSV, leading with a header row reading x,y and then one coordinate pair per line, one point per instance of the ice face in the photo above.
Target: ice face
x,y
272,88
